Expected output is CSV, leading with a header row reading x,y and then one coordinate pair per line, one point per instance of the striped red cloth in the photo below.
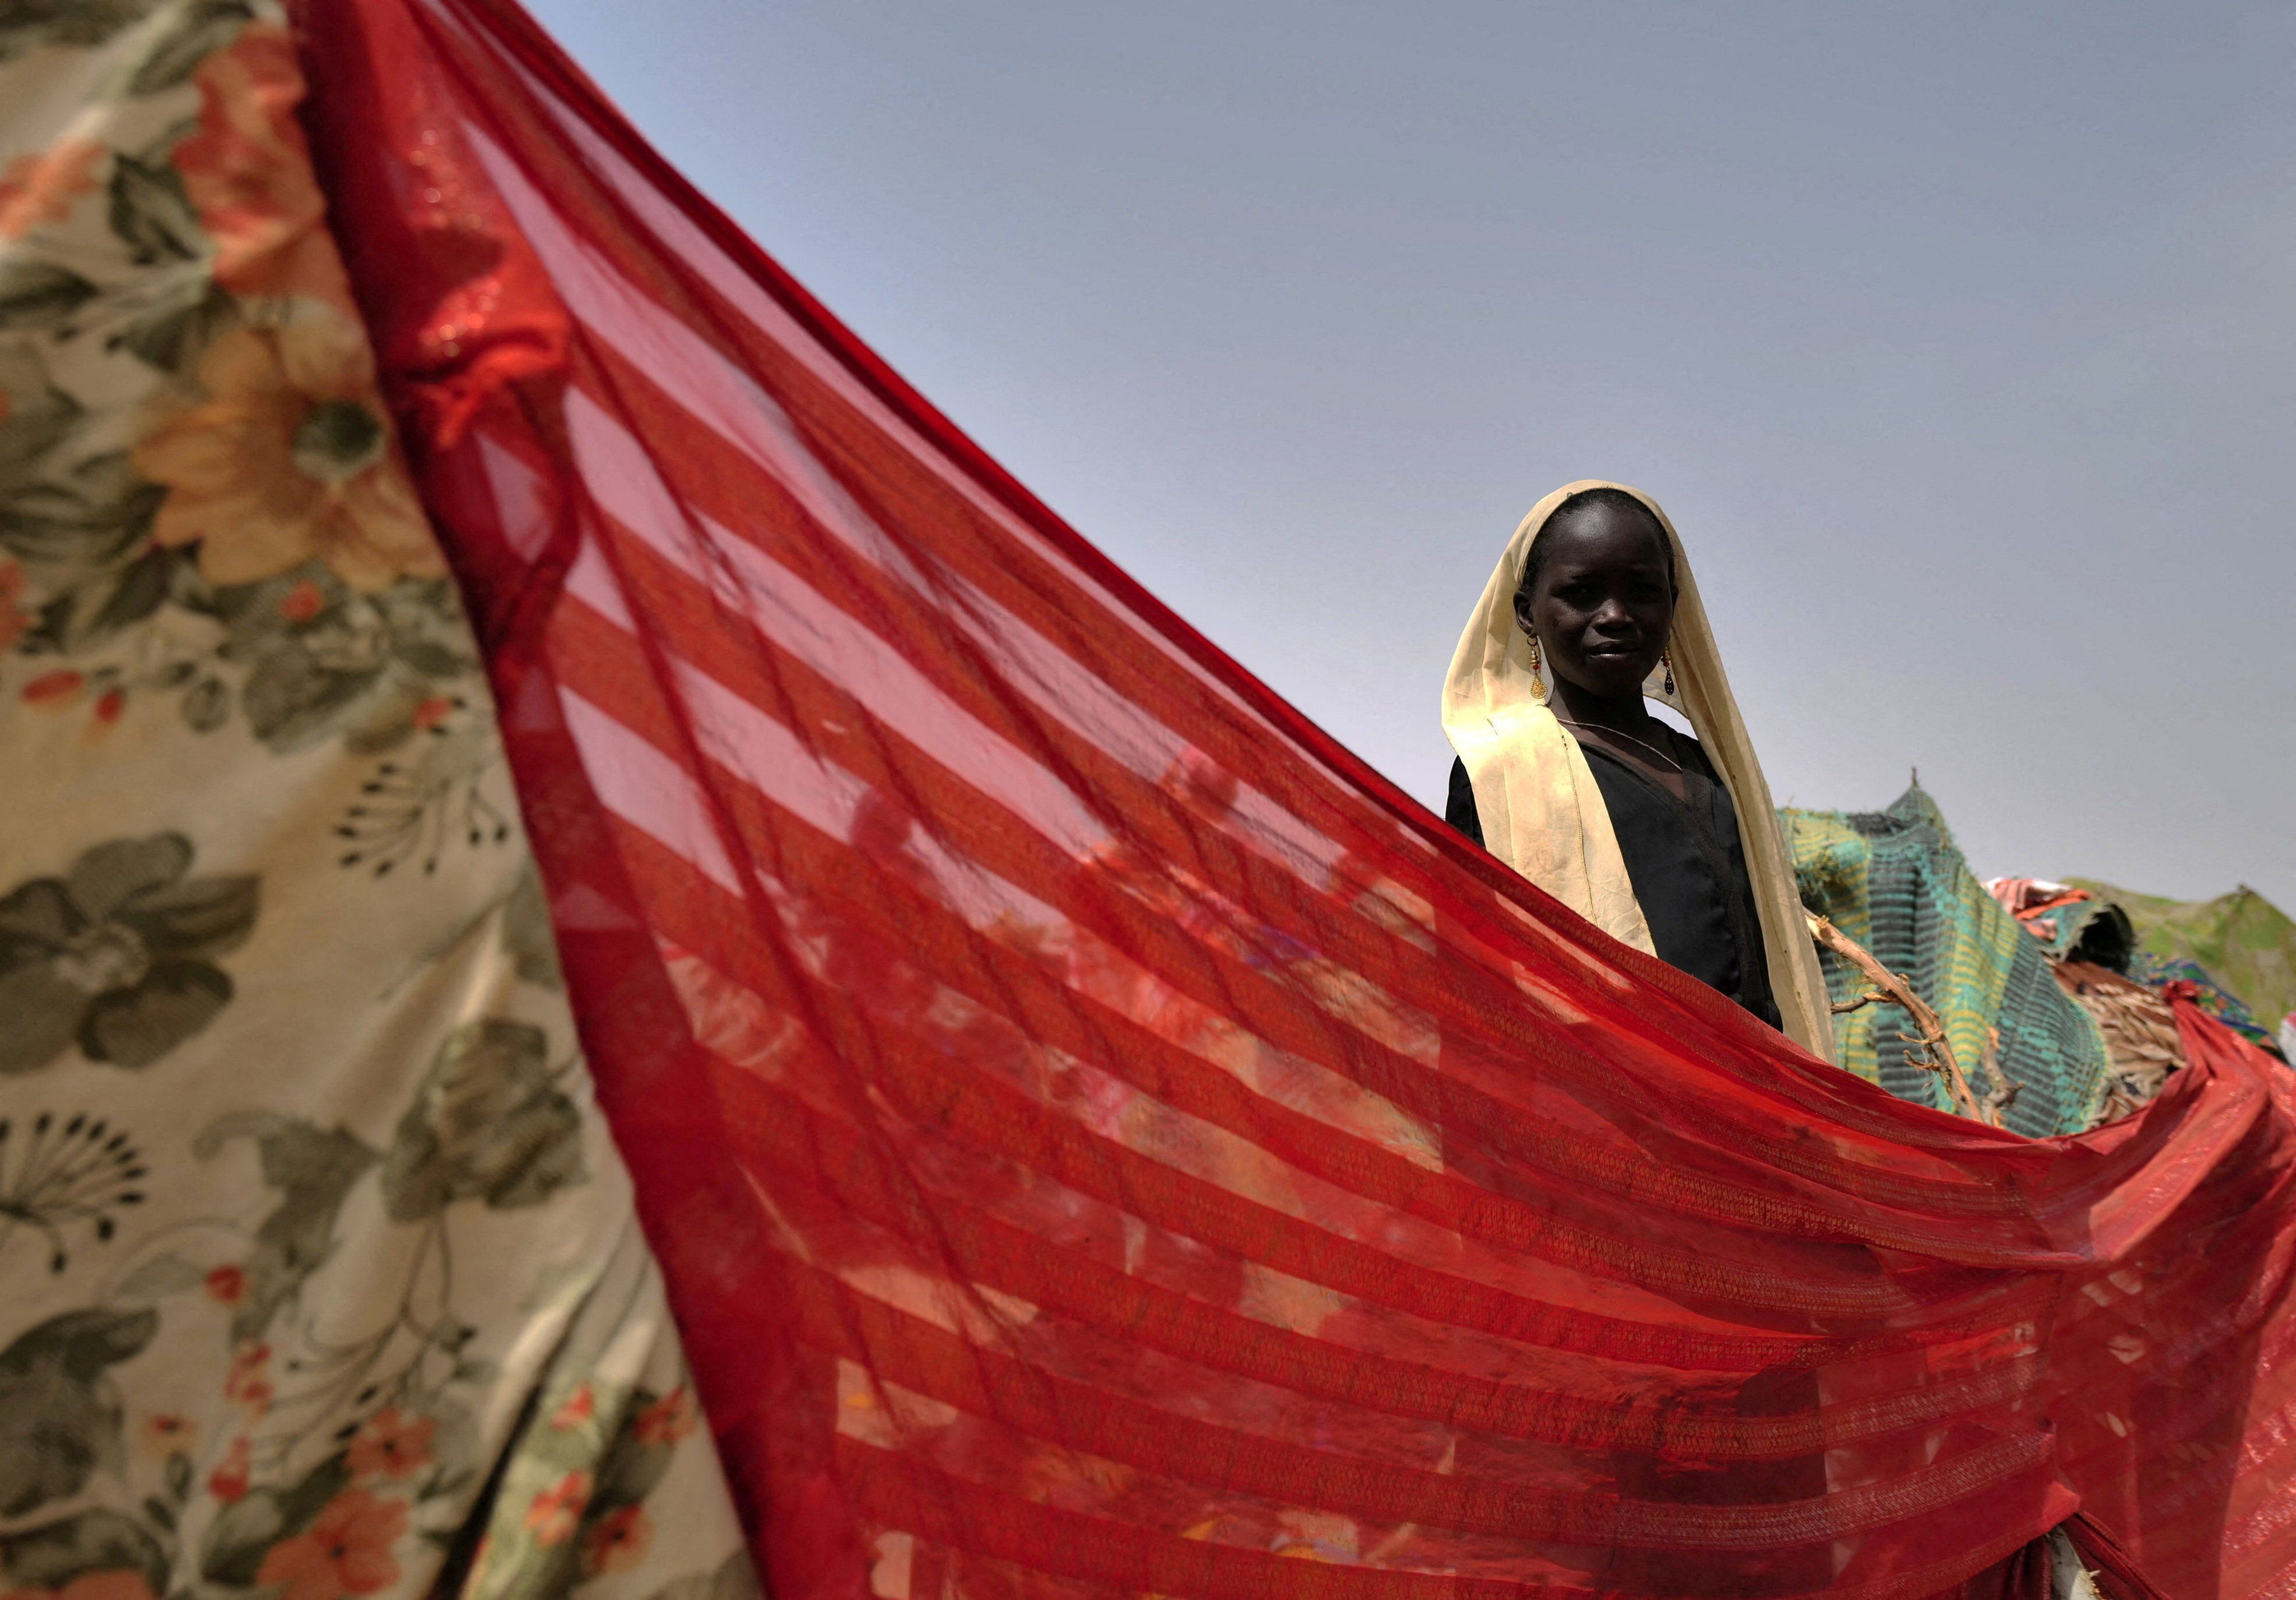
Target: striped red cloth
x,y
1104,1140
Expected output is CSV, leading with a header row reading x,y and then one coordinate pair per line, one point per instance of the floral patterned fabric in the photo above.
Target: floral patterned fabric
x,y
319,1276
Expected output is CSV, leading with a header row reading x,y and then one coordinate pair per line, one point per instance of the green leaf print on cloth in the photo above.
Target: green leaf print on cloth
x,y
490,1124
118,955
313,1169
95,1555
572,1503
60,1414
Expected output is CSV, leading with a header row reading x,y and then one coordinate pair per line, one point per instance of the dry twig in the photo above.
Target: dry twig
x,y
2006,1089
1927,1049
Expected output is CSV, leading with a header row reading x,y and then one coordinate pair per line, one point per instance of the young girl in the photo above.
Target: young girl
x,y
1667,842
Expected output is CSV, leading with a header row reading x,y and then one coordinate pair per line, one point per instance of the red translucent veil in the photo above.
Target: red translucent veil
x,y
1102,1138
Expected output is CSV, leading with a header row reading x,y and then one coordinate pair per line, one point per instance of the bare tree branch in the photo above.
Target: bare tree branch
x,y
1927,1049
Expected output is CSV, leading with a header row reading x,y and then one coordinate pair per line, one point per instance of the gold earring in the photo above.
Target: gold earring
x,y
1537,683
1666,660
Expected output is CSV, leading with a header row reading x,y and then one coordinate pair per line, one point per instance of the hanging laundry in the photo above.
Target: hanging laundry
x,y
320,1274
1100,1137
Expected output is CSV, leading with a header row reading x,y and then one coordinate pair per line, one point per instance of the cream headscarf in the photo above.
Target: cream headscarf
x,y
1542,813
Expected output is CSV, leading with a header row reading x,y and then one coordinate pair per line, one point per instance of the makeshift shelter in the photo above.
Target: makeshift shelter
x,y
1896,882
2087,923
2072,923
2242,945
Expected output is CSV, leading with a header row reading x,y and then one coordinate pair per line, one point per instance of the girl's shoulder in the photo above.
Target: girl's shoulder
x,y
1690,752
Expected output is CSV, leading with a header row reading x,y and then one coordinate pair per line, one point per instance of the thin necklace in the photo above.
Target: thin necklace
x,y
1630,738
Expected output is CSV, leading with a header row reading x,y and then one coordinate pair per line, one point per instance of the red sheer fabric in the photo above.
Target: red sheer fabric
x,y
1105,1140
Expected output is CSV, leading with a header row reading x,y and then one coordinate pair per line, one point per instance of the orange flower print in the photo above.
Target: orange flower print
x,y
303,601
14,620
667,1421
248,1380
392,1445
577,1409
347,1550
165,1433
119,1583
233,1475
53,689
618,1541
557,1511
248,173
39,188
290,456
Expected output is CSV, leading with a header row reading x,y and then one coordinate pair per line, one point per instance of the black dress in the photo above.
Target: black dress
x,y
1686,863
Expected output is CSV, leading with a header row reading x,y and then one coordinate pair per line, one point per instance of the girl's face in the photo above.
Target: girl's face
x,y
1603,603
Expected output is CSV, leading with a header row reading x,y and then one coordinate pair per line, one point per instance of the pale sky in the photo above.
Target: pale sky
x,y
1959,341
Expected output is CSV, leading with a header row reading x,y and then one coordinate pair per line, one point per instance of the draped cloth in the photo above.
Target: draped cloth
x,y
1896,882
1541,811
1104,1140
320,1273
